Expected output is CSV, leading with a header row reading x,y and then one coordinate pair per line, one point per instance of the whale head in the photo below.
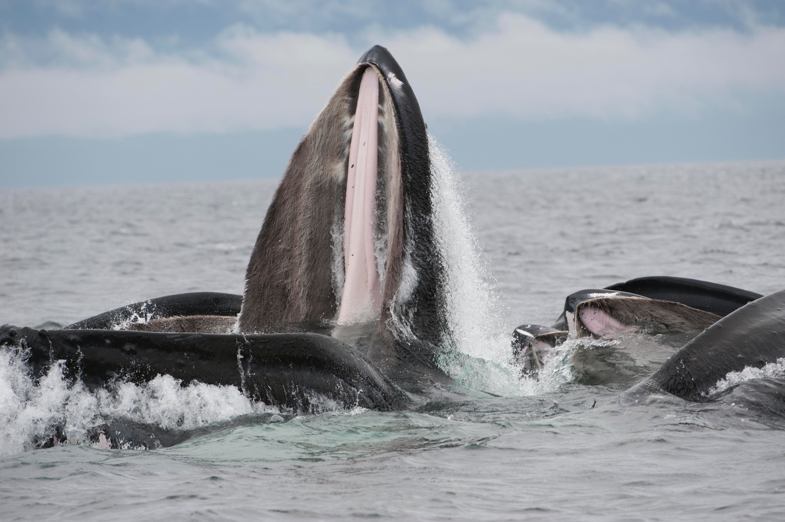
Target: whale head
x,y
348,240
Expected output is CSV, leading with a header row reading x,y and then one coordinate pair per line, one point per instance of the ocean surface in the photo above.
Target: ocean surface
x,y
520,242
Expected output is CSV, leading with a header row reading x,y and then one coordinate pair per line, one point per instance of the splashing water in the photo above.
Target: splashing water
x,y
485,359
31,411
733,379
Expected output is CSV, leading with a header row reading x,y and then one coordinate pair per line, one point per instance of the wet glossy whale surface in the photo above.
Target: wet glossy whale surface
x,y
554,449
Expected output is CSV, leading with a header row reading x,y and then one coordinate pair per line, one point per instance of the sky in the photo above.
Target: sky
x,y
148,91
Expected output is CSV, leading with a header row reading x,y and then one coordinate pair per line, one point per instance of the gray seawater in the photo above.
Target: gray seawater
x,y
553,450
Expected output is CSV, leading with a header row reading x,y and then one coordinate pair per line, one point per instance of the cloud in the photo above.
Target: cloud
x,y
528,71
98,88
86,85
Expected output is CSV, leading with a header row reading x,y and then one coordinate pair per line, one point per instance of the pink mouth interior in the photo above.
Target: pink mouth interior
x,y
361,301
601,324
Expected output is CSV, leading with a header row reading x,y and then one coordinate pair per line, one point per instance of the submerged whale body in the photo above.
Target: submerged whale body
x,y
345,297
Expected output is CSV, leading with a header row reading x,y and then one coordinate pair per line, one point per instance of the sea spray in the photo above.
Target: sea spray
x,y
481,357
27,410
733,379
33,410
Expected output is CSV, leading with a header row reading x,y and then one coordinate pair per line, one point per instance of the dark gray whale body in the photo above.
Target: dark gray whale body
x,y
303,333
294,371
190,304
701,295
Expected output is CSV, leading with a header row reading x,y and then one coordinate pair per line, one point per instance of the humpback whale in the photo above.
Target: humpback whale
x,y
658,305
345,288
345,294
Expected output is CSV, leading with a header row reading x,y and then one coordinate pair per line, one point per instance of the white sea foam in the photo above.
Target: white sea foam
x,y
749,373
30,410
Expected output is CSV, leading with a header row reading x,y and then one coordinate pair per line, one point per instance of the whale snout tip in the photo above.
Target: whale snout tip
x,y
374,54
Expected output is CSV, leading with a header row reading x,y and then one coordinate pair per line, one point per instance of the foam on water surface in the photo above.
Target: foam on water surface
x,y
733,379
31,411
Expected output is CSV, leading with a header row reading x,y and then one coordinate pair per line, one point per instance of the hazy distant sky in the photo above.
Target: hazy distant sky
x,y
127,91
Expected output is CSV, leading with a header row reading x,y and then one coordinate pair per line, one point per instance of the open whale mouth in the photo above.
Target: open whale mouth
x,y
369,235
349,240
352,218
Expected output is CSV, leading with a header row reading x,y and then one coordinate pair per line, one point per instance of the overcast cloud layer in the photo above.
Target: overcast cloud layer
x,y
105,91
91,86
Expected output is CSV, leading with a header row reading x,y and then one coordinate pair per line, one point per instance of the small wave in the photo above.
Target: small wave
x,y
733,379
32,412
